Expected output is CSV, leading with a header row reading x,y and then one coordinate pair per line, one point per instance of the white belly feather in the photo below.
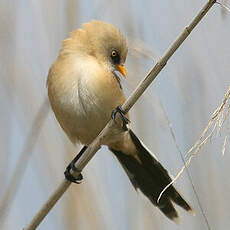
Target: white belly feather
x,y
85,102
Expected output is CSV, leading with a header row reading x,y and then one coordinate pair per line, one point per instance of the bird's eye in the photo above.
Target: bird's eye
x,y
115,57
114,53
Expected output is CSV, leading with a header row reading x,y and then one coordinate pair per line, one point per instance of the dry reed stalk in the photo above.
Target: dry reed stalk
x,y
215,124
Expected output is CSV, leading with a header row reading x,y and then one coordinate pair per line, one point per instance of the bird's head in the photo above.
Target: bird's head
x,y
103,41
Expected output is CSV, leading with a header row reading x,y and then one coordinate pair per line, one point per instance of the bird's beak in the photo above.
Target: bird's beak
x,y
121,69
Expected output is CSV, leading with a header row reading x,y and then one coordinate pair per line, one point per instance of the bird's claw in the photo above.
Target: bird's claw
x,y
67,173
122,114
70,177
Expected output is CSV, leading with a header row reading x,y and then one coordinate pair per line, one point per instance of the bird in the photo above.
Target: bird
x,y
85,91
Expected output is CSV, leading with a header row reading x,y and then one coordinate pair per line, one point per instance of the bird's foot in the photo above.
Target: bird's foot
x,y
72,166
70,177
119,110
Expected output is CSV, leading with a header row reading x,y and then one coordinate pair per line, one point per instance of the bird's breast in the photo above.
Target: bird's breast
x,y
85,101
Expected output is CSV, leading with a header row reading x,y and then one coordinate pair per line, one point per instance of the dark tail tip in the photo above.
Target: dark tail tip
x,y
169,210
166,205
179,200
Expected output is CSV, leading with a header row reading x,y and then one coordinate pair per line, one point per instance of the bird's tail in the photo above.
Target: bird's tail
x,y
147,174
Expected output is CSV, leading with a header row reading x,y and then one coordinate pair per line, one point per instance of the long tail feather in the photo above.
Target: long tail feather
x,y
147,174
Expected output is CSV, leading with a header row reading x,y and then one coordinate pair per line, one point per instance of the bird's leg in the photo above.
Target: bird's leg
x,y
72,166
122,114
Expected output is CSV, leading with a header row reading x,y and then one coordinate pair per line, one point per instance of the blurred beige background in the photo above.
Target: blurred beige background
x,y
34,151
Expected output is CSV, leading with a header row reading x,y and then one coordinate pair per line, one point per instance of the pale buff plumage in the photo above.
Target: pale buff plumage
x,y
83,98
84,89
